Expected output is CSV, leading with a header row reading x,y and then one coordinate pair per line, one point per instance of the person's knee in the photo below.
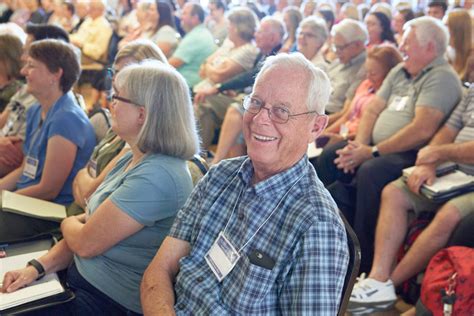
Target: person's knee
x,y
233,114
446,219
392,194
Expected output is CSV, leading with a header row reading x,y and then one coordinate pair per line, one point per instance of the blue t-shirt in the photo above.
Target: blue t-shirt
x,y
151,193
67,119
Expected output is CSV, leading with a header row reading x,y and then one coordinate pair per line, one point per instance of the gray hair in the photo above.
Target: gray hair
x,y
318,84
351,31
245,21
277,25
169,127
428,29
318,26
139,50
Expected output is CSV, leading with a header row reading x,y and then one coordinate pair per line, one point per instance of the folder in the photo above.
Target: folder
x,y
28,206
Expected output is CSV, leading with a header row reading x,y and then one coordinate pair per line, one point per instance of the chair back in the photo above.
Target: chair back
x,y
353,266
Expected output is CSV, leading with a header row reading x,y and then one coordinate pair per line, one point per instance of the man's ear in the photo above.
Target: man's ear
x,y
320,123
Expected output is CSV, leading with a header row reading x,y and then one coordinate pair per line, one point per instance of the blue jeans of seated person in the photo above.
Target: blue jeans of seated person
x,y
89,301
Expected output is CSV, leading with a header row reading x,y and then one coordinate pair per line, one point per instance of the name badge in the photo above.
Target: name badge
x,y
92,168
399,103
31,167
222,257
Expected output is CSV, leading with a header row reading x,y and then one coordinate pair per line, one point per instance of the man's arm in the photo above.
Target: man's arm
x,y
423,126
157,295
175,62
314,285
369,117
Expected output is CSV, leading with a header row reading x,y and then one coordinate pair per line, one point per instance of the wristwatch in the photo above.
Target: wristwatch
x,y
375,152
38,266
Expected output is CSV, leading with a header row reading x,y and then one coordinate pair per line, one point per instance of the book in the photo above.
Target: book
x,y
28,206
49,285
449,182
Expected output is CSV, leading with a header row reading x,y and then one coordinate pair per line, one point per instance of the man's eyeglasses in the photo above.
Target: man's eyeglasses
x,y
307,35
125,100
277,114
340,48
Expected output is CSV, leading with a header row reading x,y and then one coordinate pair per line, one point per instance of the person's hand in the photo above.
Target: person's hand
x,y
17,279
201,95
352,156
428,155
10,151
421,175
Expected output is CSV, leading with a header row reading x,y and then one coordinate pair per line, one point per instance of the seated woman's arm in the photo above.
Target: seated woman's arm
x,y
58,258
105,228
9,181
84,185
60,156
226,70
166,48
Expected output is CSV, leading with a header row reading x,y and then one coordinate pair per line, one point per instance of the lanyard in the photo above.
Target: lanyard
x,y
268,217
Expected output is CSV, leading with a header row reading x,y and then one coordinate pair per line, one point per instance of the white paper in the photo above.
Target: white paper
x,y
47,286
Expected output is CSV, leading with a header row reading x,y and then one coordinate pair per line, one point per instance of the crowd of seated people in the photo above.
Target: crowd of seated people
x,y
399,97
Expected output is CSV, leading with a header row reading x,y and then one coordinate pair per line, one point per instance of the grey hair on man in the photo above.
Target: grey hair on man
x,y
428,29
169,126
277,25
318,84
351,31
318,26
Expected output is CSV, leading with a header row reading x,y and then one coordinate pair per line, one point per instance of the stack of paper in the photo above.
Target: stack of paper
x,y
47,286
28,206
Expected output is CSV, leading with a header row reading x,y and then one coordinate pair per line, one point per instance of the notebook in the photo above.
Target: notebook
x,y
28,206
47,286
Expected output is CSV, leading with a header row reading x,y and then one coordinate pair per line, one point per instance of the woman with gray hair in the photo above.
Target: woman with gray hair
x,y
312,34
108,248
236,55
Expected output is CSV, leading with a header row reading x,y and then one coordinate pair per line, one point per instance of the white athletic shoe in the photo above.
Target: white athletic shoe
x,y
370,295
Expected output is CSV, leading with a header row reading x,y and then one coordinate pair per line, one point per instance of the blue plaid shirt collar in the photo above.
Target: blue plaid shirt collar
x,y
275,184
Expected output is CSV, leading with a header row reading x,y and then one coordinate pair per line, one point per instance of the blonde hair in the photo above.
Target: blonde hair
x,y
460,29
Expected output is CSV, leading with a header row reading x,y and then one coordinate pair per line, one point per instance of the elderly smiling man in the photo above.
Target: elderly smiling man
x,y
259,235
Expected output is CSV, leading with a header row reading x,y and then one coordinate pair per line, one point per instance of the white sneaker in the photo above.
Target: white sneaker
x,y
370,295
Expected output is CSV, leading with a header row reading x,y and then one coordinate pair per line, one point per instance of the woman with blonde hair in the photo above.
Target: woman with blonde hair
x,y
292,18
460,40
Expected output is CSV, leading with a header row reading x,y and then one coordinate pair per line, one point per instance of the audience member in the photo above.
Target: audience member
x,y
195,47
112,147
235,56
93,38
349,11
412,103
107,250
399,19
69,18
13,118
269,38
308,7
54,149
380,60
459,24
285,241
127,17
82,10
312,34
454,142
10,65
292,18
379,29
437,9
156,23
217,22
347,72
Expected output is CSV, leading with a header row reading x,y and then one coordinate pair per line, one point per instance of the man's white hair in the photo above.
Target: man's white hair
x,y
428,29
318,84
351,31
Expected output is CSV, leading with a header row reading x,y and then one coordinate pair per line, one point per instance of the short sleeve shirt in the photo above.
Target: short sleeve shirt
x,y
436,86
151,193
462,120
66,119
301,232
18,106
193,50
345,78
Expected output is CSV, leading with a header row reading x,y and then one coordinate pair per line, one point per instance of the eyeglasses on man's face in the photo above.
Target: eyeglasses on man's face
x,y
122,99
340,48
277,113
